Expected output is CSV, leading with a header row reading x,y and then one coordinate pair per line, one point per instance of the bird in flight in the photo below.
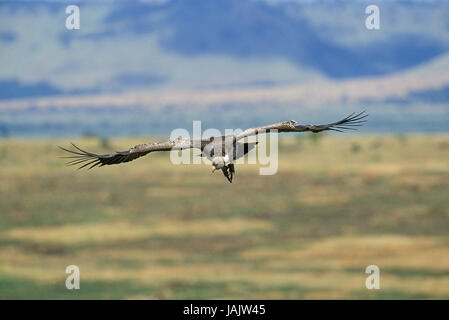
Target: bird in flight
x,y
221,151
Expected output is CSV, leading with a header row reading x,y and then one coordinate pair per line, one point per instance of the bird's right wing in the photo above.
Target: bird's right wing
x,y
243,148
85,158
351,122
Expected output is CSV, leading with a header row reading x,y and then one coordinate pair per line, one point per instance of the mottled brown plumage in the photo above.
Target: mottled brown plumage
x,y
213,148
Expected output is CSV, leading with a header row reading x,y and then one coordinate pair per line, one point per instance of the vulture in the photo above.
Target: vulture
x,y
221,151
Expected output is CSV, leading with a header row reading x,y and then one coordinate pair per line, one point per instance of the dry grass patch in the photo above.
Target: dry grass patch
x,y
98,233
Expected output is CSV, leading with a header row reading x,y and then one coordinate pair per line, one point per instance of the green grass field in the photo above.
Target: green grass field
x,y
152,230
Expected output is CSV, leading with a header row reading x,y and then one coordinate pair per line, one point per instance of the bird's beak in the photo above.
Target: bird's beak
x,y
213,168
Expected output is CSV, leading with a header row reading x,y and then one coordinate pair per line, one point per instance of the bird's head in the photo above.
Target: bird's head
x,y
217,163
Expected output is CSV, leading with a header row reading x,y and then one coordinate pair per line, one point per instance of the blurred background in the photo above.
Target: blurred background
x,y
136,70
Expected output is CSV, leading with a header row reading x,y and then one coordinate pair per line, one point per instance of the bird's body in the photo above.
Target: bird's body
x,y
221,151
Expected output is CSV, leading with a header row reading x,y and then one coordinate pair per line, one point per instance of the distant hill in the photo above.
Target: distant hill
x,y
255,29
144,67
191,44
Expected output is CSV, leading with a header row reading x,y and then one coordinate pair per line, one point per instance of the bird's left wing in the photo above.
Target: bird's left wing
x,y
90,160
349,123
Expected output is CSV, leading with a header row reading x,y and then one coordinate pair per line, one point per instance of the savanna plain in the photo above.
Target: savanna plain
x,y
149,229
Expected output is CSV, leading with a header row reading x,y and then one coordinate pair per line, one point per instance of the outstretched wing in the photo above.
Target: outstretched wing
x,y
351,122
243,148
91,160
